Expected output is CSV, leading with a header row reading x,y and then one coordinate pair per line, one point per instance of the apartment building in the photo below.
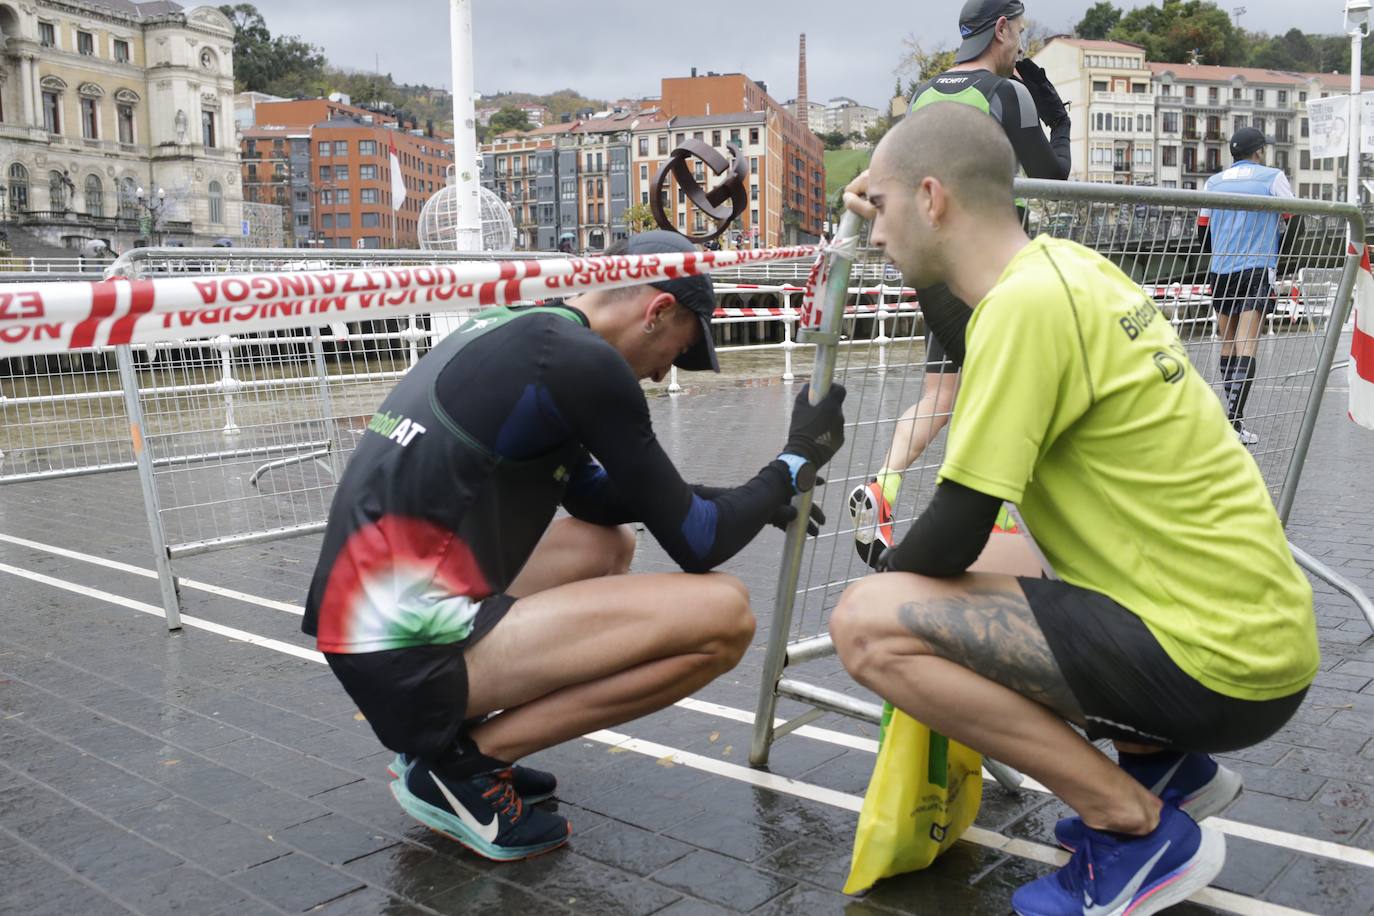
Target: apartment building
x,y
99,98
331,161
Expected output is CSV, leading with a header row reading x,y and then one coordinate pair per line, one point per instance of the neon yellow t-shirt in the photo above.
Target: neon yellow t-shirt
x,y
1079,404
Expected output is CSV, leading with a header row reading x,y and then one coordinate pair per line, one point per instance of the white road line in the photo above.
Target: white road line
x,y
1297,842
275,645
220,590
1025,849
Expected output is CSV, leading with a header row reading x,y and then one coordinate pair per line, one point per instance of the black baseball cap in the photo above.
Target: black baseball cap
x,y
1246,141
977,21
695,293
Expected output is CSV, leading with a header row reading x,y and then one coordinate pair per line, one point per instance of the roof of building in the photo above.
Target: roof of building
x,y
144,10
734,117
1214,74
1094,44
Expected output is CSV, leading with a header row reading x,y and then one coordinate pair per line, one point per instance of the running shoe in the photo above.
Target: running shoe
x,y
872,515
483,813
1202,787
1112,874
1244,433
533,786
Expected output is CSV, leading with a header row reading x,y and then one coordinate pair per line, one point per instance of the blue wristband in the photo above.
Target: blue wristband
x,y
796,465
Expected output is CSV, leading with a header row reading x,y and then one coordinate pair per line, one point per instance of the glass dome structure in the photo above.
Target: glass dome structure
x,y
439,221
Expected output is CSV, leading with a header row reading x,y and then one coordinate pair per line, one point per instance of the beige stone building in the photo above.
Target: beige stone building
x,y
99,98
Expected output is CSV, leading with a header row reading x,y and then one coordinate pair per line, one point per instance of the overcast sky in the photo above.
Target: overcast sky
x,y
621,48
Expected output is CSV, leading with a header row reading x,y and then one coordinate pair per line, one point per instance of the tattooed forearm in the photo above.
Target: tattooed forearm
x,y
992,631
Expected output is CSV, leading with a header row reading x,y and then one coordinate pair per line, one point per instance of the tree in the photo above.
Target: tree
x,y
284,65
834,139
1098,21
1180,31
922,64
509,118
876,131
639,218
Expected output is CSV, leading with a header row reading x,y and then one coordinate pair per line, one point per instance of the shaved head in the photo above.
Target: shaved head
x,y
959,146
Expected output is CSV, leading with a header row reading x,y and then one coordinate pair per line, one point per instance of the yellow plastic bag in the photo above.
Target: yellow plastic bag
x,y
923,795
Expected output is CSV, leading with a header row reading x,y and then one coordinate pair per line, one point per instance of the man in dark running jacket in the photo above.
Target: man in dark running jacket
x,y
993,33
445,590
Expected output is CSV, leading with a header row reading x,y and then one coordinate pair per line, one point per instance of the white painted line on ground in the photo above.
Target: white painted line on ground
x,y
1309,845
275,645
1025,849
152,574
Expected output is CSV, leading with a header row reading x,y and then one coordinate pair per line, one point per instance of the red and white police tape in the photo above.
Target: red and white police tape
x,y
56,317
1361,371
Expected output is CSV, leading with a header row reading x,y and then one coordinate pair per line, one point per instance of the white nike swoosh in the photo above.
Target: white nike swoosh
x,y
1159,786
486,832
1127,892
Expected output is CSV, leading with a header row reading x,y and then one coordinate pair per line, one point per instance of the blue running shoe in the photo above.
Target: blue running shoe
x,y
1116,875
1202,786
533,786
483,813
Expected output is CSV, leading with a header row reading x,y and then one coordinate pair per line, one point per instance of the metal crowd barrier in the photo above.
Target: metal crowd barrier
x,y
1151,234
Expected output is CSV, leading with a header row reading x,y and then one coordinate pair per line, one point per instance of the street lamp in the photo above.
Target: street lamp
x,y
152,207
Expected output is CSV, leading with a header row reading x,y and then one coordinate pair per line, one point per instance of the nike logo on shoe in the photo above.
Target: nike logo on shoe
x,y
1158,787
1128,892
486,832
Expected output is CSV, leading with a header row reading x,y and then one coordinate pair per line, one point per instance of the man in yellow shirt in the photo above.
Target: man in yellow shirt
x,y
1078,404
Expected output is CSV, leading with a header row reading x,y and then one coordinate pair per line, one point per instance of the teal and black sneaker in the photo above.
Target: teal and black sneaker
x,y
533,786
482,812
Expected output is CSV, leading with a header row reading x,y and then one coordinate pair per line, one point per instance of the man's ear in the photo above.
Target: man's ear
x,y
658,305
934,202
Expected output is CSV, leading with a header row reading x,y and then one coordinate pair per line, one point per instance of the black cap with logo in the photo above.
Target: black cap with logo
x,y
1246,141
695,293
977,24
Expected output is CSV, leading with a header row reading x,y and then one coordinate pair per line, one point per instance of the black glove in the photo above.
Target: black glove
x,y
784,514
816,433
1048,104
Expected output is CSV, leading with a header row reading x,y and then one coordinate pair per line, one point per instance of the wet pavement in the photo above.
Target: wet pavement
x,y
222,769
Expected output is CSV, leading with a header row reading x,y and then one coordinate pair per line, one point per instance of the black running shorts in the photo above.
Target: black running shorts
x,y
1242,291
416,698
1130,689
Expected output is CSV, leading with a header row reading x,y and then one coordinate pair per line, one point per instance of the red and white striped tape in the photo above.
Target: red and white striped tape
x,y
1361,371
55,317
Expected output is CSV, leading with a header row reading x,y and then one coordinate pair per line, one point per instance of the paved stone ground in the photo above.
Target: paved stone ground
x,y
195,773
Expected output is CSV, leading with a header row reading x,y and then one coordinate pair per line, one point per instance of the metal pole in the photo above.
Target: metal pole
x,y
832,311
465,173
1352,167
166,581
331,426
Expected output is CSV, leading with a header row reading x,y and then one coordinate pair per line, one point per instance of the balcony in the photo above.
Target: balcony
x,y
1125,98
1213,136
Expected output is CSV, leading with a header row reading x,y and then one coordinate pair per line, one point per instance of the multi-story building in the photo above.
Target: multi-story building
x,y
815,114
1139,122
802,205
99,98
512,166
846,116
334,158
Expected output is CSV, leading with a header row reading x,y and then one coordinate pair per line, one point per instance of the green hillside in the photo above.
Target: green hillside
x,y
841,165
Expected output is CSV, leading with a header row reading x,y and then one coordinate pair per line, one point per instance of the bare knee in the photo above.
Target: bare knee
x,y
725,604
848,627
620,552
869,632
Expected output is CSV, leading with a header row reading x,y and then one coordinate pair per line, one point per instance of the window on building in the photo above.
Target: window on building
x,y
644,173
94,196
1190,127
125,117
1241,121
126,200
1304,128
1140,123
343,196
19,188
367,173
1213,95
663,144
1170,122
121,51
367,147
52,112
85,44
326,197
1281,130
753,192
1213,127
753,165
599,165
369,196
1283,98
1189,93
1259,96
1260,124
340,173
1140,88
715,138
207,129
325,147
699,135
753,135
1302,96
1166,89
47,34
216,203
302,220
340,147
1281,159
371,220
1189,159
90,120
325,172
343,220
734,135
1214,160
57,191
1235,92
1304,160
1099,85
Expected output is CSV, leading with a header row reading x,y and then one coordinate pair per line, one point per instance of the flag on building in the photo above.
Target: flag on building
x,y
398,180
1362,349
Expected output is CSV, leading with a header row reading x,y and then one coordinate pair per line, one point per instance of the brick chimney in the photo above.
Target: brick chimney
x,y
802,106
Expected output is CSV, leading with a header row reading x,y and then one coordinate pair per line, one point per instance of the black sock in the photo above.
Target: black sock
x,y
1226,384
1244,371
464,759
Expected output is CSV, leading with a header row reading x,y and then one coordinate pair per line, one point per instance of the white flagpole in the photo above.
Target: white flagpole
x,y
467,178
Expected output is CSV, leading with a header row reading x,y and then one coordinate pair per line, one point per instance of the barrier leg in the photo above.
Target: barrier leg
x,y
1336,581
167,583
228,384
331,426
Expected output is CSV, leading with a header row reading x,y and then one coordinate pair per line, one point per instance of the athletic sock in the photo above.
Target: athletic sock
x,y
464,759
1226,384
890,482
1244,371
1233,379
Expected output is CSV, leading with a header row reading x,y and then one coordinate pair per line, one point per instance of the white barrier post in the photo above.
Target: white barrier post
x,y
227,383
789,317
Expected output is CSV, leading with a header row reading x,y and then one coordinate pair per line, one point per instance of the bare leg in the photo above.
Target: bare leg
x,y
596,653
1226,329
923,420
1009,554
966,657
573,550
1245,332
